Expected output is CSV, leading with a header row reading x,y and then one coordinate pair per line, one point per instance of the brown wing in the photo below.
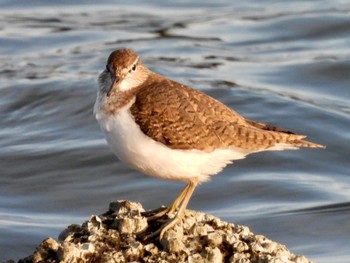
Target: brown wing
x,y
183,118
264,126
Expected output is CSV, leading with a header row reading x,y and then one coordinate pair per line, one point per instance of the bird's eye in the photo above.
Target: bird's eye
x,y
107,68
134,67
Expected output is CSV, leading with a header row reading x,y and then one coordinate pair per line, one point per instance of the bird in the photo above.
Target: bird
x,y
167,130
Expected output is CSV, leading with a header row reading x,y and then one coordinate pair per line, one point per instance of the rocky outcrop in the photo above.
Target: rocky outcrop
x,y
119,235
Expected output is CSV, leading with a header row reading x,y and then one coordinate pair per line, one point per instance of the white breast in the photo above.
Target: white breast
x,y
153,158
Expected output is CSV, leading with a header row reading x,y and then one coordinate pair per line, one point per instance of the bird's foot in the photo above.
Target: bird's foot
x,y
167,211
165,227
158,215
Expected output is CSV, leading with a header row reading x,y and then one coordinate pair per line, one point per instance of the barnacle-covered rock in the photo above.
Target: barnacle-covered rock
x,y
119,236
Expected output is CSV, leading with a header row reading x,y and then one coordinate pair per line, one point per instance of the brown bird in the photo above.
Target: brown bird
x,y
167,130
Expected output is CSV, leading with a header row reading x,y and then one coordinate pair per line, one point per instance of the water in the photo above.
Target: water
x,y
285,63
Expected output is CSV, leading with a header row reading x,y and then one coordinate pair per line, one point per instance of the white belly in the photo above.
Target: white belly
x,y
153,158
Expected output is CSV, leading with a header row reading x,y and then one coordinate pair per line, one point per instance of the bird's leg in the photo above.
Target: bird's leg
x,y
186,194
180,213
173,207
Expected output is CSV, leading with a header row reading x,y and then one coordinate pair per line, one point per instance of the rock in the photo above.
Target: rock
x,y
118,236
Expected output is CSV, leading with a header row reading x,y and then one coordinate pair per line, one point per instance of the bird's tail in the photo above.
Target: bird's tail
x,y
294,141
302,143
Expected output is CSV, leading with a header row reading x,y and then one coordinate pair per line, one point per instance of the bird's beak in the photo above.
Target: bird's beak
x,y
115,80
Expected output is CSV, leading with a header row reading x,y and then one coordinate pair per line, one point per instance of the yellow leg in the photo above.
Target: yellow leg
x,y
173,207
183,198
181,211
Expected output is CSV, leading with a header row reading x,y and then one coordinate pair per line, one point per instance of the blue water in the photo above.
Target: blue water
x,y
284,63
